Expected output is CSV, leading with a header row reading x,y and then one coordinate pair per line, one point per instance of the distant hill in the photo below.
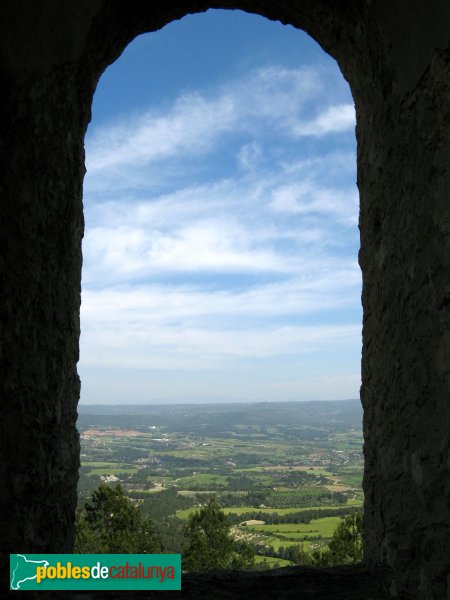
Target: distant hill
x,y
332,414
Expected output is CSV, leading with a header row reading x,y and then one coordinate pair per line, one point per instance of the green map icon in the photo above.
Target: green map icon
x,y
23,569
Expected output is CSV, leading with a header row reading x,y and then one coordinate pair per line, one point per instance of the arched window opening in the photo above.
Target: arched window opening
x,y
220,269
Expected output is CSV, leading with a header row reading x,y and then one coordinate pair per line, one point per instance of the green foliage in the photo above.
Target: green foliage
x,y
210,546
111,524
162,504
345,546
170,531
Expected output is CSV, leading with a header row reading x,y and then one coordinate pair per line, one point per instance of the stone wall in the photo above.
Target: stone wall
x,y
405,216
396,57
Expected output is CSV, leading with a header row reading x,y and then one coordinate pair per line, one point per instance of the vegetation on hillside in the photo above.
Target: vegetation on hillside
x,y
110,523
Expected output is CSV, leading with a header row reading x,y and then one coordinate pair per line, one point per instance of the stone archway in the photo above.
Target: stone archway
x,y
396,58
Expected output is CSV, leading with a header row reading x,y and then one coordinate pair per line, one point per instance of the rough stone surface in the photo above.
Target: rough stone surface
x,y
395,54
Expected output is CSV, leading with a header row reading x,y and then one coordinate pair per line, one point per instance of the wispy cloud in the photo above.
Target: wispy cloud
x,y
203,349
278,99
170,326
318,290
207,246
309,197
334,119
239,225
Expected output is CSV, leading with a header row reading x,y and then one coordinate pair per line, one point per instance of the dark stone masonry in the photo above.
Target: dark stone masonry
x,y
395,55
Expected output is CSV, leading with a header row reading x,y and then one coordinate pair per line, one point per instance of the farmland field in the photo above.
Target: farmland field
x,y
316,527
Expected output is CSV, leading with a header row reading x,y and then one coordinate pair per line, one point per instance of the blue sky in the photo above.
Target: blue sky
x,y
220,253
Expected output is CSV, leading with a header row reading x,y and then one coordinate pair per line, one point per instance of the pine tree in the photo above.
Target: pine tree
x,y
111,524
345,546
210,546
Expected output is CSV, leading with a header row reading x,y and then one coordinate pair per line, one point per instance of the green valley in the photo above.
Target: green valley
x,y
285,473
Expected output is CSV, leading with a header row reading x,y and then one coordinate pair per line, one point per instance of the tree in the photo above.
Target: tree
x,y
296,554
346,543
210,546
110,523
345,546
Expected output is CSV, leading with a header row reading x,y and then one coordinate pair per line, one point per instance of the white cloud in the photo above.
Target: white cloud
x,y
170,326
200,348
191,127
334,119
208,246
307,197
249,156
318,290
